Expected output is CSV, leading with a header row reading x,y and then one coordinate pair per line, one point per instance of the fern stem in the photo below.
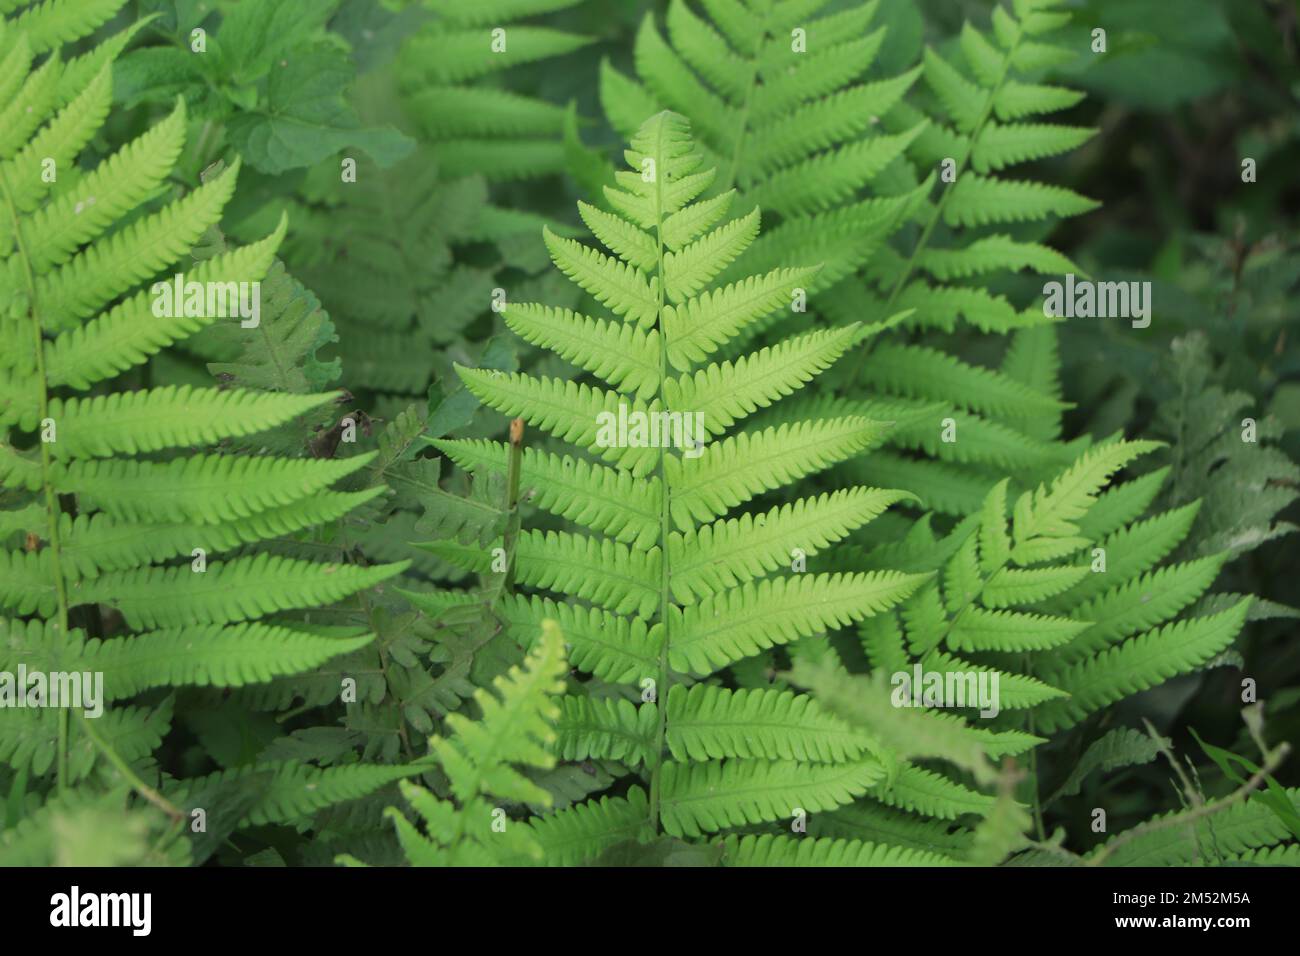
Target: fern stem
x,y
512,500
124,768
743,124
968,147
665,517
1039,829
52,509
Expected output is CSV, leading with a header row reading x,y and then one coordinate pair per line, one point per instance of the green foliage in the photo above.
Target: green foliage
x,y
1225,457
481,762
699,777
481,128
270,72
982,225
805,125
158,479
789,433
785,108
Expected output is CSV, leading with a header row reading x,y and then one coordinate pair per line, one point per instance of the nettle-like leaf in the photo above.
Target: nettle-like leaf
x,y
289,105
675,577
125,511
478,128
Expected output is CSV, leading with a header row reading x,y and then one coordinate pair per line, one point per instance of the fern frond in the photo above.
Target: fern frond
x,y
703,798
589,728
792,128
979,201
210,656
516,730
602,499
675,596
1141,663
594,569
132,479
615,353
726,392
105,269
129,333
581,832
168,417
707,723
55,22
616,649
734,624
237,590
204,489
1238,830
497,133
99,542
769,850
731,552
736,469
570,411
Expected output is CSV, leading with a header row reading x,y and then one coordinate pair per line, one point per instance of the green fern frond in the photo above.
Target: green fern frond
x,y
516,729
1243,829
582,832
787,110
109,487
605,729
237,590
768,850
707,797
1140,663
617,649
677,577
210,656
742,621
1109,630
709,723
729,552
602,499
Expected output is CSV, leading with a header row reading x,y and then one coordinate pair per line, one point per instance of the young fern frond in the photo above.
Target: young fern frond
x,y
104,488
694,589
483,761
